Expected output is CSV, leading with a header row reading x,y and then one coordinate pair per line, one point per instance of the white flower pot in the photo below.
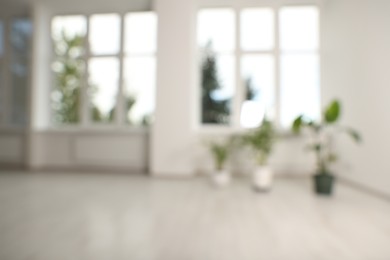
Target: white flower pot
x,y
262,178
221,178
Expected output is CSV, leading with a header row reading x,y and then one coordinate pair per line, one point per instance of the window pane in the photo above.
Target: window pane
x,y
68,33
141,33
300,87
216,26
20,36
299,28
217,88
257,29
64,27
259,81
21,30
104,34
140,82
103,80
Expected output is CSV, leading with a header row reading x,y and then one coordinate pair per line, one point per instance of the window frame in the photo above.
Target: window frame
x,y
238,52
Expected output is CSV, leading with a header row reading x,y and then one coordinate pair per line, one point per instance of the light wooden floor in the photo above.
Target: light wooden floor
x,y
112,216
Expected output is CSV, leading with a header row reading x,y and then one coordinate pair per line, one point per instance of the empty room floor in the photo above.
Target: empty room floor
x,y
56,216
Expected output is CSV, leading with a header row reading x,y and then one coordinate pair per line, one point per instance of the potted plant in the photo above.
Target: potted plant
x,y
220,152
261,141
322,137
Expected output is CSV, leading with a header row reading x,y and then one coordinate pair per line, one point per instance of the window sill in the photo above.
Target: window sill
x,y
95,130
227,130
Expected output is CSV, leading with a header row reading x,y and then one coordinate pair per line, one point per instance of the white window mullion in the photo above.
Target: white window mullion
x,y
119,108
85,101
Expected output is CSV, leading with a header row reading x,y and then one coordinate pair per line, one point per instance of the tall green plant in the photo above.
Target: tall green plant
x,y
323,133
213,111
261,141
69,70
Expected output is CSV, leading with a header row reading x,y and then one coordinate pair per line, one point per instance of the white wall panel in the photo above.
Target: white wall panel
x,y
12,147
91,150
356,69
109,150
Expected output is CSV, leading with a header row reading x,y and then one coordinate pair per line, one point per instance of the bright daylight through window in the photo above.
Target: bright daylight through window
x,y
100,75
264,64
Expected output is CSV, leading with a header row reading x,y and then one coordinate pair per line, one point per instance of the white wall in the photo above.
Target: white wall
x,y
356,68
91,150
176,147
172,136
77,147
12,148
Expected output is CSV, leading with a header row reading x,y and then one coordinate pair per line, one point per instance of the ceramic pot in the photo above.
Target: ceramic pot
x,y
323,183
221,178
262,178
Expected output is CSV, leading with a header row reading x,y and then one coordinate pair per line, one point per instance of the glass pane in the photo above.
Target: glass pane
x,y
140,84
20,36
259,81
103,80
300,87
68,33
299,28
217,88
104,34
141,33
257,29
21,30
68,27
216,27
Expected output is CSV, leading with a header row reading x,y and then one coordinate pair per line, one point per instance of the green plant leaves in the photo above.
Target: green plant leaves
x,y
220,152
261,140
322,132
332,112
297,124
354,135
332,157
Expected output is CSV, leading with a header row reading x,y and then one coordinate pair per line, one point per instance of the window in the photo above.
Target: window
x,y
20,50
140,67
258,62
104,40
68,35
119,64
216,38
15,35
300,88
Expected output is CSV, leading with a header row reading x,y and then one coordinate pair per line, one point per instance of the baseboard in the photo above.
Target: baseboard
x,y
364,188
88,169
12,167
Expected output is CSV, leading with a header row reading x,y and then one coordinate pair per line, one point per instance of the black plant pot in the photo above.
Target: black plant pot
x,y
323,184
